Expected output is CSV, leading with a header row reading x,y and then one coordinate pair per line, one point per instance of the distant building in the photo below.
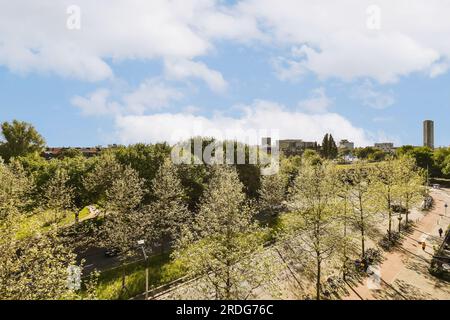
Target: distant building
x,y
428,134
345,144
385,146
295,146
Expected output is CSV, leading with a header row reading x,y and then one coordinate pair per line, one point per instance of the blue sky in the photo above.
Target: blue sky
x,y
209,67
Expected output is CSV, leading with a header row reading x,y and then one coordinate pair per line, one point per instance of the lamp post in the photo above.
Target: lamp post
x,y
141,244
399,223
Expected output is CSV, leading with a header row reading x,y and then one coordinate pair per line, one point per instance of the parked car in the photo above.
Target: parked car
x,y
112,252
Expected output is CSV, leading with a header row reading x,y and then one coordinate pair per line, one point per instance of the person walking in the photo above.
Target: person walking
x,y
440,232
424,245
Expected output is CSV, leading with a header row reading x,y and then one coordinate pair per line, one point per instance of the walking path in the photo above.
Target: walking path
x,y
404,272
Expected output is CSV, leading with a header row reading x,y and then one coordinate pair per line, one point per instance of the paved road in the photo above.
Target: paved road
x,y
404,272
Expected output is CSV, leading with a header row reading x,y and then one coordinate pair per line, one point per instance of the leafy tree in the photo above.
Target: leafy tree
x,y
272,193
21,138
386,188
411,184
146,159
329,148
101,177
365,153
441,159
124,223
225,246
58,196
33,268
360,179
314,199
14,190
70,153
169,211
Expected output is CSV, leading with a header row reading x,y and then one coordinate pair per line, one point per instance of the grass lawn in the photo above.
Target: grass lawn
x,y
161,271
39,221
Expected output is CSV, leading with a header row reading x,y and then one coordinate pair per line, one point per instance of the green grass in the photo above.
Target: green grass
x,y
161,271
40,221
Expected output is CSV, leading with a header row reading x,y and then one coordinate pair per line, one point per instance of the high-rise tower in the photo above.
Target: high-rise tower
x,y
428,134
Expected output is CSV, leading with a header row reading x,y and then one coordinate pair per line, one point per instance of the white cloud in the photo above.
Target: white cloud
x,y
260,116
182,69
34,36
331,37
333,40
317,103
150,95
371,97
96,103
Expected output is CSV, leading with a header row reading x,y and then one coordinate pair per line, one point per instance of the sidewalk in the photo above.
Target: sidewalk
x,y
404,272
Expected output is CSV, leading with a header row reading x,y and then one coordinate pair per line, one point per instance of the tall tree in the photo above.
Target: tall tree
x,y
272,193
169,211
101,177
124,223
360,179
58,196
21,138
386,188
314,199
411,184
225,246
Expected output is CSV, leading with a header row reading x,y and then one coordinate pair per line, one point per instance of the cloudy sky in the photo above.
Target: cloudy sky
x,y
113,71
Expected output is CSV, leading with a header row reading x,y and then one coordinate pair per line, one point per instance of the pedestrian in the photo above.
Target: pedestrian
x,y
440,232
424,245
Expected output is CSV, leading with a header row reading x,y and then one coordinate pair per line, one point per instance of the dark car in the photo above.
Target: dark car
x,y
112,252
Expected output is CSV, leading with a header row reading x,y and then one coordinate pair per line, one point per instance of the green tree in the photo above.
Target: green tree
x,y
386,188
225,246
411,184
21,138
168,213
314,199
34,268
58,196
101,177
70,153
272,193
360,179
124,223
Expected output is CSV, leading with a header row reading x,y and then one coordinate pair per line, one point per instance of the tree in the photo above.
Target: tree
x,y
101,177
70,153
34,268
272,193
58,196
225,246
386,182
329,148
411,184
21,138
314,199
366,153
169,210
14,190
359,179
124,223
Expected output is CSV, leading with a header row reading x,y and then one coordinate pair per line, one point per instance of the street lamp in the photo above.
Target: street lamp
x,y
141,243
399,223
